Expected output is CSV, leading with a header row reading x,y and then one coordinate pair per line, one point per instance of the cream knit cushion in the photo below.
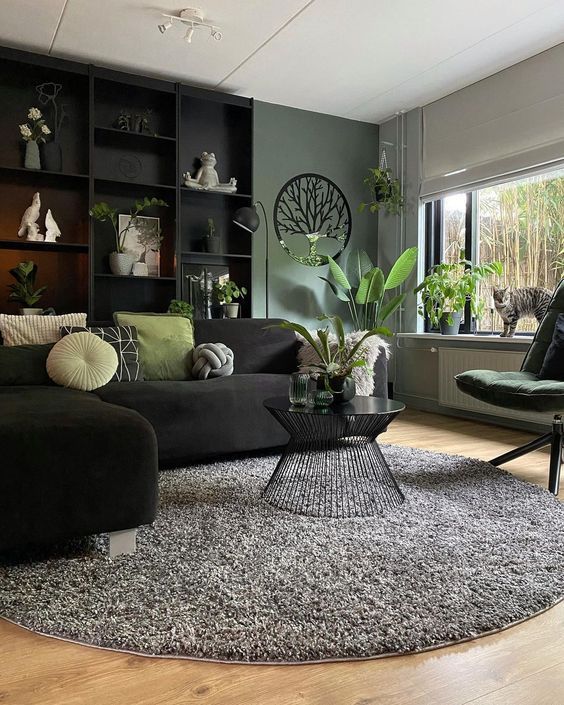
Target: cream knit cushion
x,y
82,361
36,330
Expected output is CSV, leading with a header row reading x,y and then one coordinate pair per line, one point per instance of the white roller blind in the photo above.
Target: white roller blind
x,y
508,123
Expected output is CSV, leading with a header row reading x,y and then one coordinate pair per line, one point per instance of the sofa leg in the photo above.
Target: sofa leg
x,y
555,455
122,542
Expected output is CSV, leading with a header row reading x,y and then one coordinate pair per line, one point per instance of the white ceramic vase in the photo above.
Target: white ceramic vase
x,y
140,269
121,263
231,310
31,311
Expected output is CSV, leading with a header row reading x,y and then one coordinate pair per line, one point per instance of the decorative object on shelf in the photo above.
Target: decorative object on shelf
x,y
448,287
197,288
142,241
524,302
211,241
52,231
33,136
182,308
385,191
364,288
136,122
212,360
248,219
121,262
333,363
225,291
130,166
123,121
191,18
28,223
311,206
23,290
298,389
207,178
47,94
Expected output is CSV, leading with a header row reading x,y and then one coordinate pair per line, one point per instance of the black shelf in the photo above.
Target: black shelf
x,y
185,189
42,172
130,133
215,255
123,182
132,278
47,246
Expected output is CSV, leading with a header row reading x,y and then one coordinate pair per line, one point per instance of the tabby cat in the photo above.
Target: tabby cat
x,y
513,304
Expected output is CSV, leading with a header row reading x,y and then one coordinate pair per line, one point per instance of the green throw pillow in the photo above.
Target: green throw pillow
x,y
24,364
165,343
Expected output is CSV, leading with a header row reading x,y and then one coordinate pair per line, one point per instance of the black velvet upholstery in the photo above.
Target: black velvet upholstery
x,y
71,466
24,364
553,364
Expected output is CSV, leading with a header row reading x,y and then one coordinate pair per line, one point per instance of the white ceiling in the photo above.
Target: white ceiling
x,y
360,59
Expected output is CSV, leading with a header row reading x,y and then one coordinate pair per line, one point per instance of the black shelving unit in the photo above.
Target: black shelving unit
x,y
102,162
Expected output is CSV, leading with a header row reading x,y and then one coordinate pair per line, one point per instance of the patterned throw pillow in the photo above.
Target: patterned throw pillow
x,y
36,330
124,341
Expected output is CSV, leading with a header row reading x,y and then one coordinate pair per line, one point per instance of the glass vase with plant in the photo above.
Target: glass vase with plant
x,y
225,292
121,261
34,133
23,290
364,288
449,286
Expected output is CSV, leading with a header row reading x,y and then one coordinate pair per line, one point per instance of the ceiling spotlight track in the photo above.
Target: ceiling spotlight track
x,y
192,18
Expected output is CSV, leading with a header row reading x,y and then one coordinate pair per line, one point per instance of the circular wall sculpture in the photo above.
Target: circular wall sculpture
x,y
311,210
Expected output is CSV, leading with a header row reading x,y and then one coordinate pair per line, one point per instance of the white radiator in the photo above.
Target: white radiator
x,y
452,361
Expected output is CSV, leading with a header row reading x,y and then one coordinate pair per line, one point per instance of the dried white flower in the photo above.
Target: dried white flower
x,y
25,131
34,114
45,130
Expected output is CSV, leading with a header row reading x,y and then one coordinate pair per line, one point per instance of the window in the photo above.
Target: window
x,y
519,223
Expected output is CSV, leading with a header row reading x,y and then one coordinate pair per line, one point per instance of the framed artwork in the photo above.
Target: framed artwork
x,y
142,241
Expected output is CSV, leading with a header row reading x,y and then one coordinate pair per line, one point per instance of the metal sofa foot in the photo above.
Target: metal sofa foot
x,y
122,542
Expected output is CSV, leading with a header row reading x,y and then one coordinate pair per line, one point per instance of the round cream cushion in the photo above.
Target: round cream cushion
x,y
82,361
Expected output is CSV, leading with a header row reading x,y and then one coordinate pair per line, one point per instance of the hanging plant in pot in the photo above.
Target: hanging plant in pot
x,y
447,288
23,290
385,191
225,292
121,262
336,362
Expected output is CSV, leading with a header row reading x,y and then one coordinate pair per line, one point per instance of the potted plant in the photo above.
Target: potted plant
x,y
181,307
212,241
33,135
121,262
227,291
24,290
364,288
447,288
336,363
385,192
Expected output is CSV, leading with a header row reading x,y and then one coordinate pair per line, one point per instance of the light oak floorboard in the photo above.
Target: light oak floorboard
x,y
522,666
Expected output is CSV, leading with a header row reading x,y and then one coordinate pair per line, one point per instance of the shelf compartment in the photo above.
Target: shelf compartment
x,y
131,184
42,173
185,191
214,255
43,246
131,277
130,134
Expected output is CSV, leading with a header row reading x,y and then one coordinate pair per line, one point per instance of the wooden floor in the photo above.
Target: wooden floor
x,y
522,666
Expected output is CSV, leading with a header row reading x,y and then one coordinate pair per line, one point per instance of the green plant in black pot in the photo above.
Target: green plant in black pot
x,y
212,241
225,292
336,361
385,192
23,290
447,288
181,307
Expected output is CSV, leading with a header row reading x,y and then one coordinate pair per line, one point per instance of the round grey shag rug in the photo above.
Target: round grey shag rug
x,y
223,575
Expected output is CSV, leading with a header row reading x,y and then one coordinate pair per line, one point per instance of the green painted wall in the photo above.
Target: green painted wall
x,y
288,142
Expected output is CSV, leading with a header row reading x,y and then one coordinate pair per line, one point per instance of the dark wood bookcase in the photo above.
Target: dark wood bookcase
x,y
104,163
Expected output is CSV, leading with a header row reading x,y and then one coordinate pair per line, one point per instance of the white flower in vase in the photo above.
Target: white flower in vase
x,y
34,114
25,132
45,130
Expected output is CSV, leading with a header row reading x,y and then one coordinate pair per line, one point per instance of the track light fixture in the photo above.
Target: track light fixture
x,y
193,19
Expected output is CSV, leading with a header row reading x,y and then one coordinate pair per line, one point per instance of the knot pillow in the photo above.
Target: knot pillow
x,y
82,361
211,360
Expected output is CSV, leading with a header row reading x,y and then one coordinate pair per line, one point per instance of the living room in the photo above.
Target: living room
x,y
282,353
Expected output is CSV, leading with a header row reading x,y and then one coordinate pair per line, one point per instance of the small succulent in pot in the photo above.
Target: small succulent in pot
x,y
212,241
23,290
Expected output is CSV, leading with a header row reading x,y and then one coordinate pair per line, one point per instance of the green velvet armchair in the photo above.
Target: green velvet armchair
x,y
524,390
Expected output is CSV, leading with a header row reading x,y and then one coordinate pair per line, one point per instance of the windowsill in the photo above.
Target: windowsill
x,y
485,338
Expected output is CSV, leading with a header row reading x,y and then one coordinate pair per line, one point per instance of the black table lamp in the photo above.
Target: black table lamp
x,y
248,219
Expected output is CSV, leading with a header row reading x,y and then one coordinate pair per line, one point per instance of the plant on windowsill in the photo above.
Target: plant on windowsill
x,y
24,291
121,262
363,288
447,288
385,192
336,362
225,292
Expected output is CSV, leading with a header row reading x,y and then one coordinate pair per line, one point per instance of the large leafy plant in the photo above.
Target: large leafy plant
x,y
385,191
334,361
23,290
228,290
103,212
364,288
449,285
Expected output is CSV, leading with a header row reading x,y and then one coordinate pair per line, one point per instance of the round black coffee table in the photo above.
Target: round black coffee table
x,y
332,465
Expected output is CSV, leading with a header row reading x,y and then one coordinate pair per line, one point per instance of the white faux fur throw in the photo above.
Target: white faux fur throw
x,y
371,349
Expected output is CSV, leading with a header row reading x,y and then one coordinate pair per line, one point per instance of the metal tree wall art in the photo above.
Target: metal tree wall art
x,y
313,208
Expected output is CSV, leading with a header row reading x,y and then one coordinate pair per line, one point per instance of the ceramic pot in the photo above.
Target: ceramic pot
x,y
212,245
446,327
52,156
121,263
31,311
342,388
32,158
231,310
140,269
